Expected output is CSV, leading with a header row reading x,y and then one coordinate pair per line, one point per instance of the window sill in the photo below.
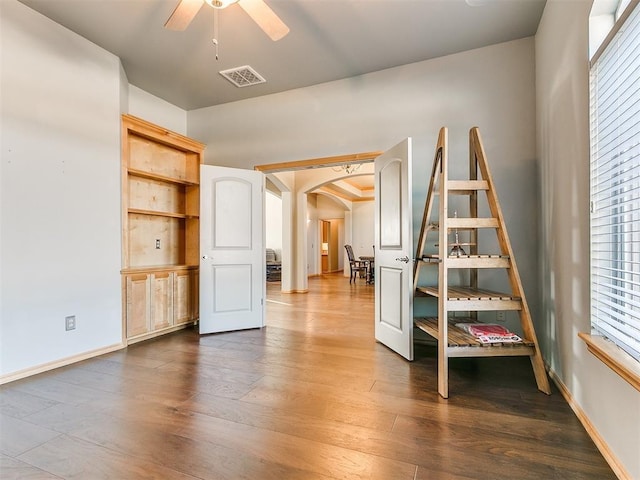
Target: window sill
x,y
613,357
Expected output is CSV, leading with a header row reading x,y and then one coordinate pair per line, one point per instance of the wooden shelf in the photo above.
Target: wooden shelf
x,y
471,261
461,344
464,299
467,293
161,214
163,178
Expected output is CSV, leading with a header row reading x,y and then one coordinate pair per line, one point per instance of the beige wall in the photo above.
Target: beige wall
x,y
611,405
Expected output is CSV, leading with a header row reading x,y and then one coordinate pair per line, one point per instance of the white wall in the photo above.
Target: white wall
x,y
363,228
60,191
492,87
611,404
273,222
314,236
156,110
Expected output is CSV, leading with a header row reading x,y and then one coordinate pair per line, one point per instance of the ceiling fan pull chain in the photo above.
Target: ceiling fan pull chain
x,y
215,44
215,31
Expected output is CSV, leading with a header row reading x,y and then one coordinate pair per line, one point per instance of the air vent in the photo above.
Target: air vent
x,y
242,76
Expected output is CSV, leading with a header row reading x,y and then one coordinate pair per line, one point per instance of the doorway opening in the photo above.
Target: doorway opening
x,y
321,189
331,238
325,229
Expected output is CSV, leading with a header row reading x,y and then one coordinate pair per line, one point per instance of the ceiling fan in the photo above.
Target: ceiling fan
x,y
258,10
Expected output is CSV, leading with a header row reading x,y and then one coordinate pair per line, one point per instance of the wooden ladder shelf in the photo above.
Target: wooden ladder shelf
x,y
462,255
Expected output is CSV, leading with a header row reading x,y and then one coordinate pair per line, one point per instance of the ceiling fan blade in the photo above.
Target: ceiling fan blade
x,y
265,18
183,14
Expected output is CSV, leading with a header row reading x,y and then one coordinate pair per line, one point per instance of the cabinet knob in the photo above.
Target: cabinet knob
x,y
205,257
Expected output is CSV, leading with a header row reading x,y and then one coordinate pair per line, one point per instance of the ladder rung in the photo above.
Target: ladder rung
x,y
483,305
472,222
474,261
483,255
458,244
430,259
464,186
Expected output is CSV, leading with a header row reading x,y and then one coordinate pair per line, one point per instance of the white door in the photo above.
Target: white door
x,y
232,255
394,250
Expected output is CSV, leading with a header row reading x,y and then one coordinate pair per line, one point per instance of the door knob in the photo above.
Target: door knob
x,y
205,257
404,259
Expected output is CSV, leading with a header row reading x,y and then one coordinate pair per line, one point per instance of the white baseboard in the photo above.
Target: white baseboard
x,y
600,443
27,372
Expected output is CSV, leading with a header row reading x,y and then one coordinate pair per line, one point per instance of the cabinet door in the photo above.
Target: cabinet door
x,y
182,296
161,300
138,305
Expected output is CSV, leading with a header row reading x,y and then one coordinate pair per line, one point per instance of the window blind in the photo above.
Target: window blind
x,y
615,188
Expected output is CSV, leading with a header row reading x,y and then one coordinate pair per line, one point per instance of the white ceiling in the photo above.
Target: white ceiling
x,y
329,40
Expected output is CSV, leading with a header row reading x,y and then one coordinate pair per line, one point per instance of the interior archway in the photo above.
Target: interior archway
x,y
326,177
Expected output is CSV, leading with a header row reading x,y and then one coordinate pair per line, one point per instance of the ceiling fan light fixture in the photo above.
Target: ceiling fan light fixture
x,y
258,10
220,3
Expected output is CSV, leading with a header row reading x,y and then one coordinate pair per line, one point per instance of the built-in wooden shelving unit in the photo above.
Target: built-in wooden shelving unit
x,y
160,229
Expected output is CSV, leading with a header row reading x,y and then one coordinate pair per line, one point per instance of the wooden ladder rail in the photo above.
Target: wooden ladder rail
x,y
424,228
443,276
479,157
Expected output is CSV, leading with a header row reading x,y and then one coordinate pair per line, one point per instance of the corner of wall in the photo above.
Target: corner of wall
x,y
153,109
124,90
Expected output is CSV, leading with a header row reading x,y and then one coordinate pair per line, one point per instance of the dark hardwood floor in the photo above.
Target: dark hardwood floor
x,y
311,396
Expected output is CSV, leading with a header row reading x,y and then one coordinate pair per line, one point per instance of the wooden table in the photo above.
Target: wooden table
x,y
370,262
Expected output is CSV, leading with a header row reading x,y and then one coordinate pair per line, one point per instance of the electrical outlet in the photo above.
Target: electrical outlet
x,y
70,323
157,243
501,316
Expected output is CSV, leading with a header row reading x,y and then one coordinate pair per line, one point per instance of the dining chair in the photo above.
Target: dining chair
x,y
356,266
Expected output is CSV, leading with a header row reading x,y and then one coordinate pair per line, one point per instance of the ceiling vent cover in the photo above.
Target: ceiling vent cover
x,y
242,76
